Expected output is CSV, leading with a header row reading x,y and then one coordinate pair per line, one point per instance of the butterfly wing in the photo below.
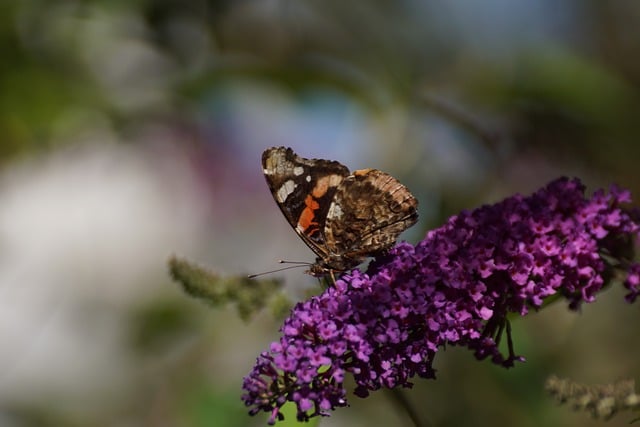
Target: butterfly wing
x,y
303,190
369,210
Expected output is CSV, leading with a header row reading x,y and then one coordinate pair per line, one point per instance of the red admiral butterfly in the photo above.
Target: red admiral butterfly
x,y
343,217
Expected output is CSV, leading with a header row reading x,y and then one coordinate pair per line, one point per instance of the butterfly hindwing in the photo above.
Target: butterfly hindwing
x,y
369,210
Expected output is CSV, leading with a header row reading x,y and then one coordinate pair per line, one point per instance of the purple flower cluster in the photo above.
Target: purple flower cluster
x,y
455,287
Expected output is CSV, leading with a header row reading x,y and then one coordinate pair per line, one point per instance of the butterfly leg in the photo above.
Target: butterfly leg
x,y
333,278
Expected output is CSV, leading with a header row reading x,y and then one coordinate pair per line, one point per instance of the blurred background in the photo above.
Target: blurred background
x,y
132,130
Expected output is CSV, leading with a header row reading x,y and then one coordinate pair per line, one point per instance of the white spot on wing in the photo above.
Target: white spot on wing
x,y
298,170
308,178
335,211
284,191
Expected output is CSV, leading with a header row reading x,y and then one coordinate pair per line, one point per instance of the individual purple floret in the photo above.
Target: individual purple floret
x,y
456,287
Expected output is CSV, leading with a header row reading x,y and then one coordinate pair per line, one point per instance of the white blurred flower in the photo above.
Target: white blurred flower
x,y
84,233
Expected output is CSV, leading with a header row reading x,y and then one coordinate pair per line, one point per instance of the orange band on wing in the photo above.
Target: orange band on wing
x,y
308,215
360,172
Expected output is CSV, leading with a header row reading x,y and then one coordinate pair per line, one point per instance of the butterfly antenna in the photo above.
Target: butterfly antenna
x,y
296,264
284,261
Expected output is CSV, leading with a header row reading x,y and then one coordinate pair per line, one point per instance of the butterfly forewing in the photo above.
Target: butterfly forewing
x,y
303,189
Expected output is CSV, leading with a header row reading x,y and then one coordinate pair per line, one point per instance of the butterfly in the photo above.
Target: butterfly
x,y
344,217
